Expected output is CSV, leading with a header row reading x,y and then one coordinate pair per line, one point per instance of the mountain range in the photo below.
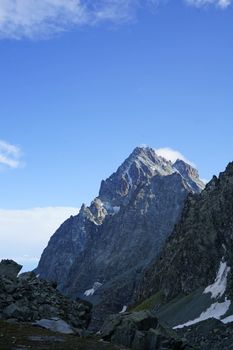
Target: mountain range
x,y
101,253
154,250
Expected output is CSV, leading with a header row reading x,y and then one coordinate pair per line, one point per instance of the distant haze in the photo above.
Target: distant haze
x,y
25,233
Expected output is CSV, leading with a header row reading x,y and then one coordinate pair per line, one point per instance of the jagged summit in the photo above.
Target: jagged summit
x,y
142,164
190,174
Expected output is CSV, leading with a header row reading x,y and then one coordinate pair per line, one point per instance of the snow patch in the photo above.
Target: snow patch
x,y
116,209
218,288
91,291
129,177
216,310
110,209
124,309
228,319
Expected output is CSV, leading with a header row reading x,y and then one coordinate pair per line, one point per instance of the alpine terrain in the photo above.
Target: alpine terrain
x,y
190,284
101,253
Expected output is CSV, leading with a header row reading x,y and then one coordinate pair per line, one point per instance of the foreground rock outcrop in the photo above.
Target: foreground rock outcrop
x,y
208,335
141,331
26,298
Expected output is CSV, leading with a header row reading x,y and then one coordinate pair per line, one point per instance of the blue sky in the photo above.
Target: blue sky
x,y
80,90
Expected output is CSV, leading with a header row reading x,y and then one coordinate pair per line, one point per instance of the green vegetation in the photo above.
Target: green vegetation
x,y
150,303
25,336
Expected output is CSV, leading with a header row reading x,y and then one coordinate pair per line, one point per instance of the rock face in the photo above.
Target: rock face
x,y
140,330
27,298
199,251
125,227
209,334
10,269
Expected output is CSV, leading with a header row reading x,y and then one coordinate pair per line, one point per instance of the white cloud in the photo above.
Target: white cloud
x,y
43,18
25,233
172,155
10,155
223,4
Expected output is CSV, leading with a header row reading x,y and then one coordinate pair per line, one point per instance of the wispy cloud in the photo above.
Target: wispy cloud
x,y
33,18
172,155
25,233
42,18
223,4
10,155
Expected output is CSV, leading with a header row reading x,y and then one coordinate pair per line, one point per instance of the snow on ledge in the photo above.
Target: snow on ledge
x,y
91,291
216,310
218,288
124,309
228,319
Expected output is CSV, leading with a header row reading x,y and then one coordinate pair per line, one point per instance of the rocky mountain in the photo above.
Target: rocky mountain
x,y
191,281
26,298
100,253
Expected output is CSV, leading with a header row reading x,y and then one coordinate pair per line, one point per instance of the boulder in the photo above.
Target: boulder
x,y
140,331
56,325
9,269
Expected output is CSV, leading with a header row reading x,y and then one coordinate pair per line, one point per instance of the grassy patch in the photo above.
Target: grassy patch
x,y
185,308
150,303
25,336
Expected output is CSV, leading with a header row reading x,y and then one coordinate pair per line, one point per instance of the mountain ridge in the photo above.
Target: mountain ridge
x,y
194,269
104,243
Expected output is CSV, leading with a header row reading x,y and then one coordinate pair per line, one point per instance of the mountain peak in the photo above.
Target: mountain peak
x,y
182,166
142,164
229,169
190,174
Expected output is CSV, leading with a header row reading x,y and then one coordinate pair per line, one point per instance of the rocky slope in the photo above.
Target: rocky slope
x,y
141,331
23,336
25,298
193,274
101,252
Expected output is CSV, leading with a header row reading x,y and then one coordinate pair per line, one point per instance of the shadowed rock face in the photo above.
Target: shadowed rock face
x,y
141,330
9,269
124,228
200,241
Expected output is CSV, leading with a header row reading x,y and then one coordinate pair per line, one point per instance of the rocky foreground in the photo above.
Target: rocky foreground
x,y
141,331
26,298
23,336
34,315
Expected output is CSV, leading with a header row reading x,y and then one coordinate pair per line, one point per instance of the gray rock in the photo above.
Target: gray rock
x,y
55,325
209,334
203,237
11,311
27,299
27,276
9,269
140,331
